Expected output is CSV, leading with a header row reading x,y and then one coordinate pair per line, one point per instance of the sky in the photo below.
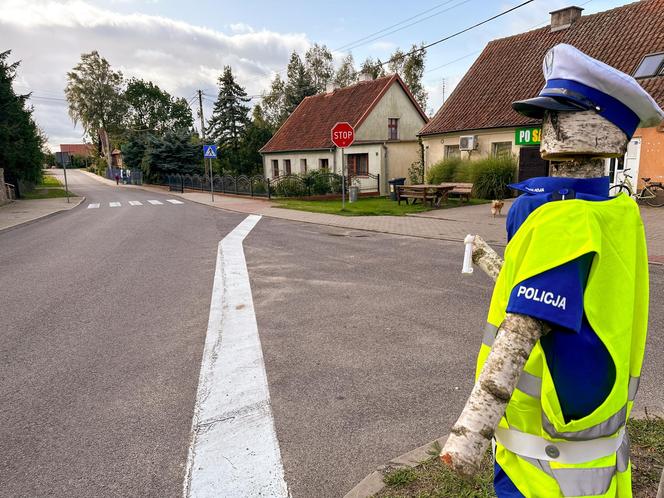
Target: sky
x,y
183,46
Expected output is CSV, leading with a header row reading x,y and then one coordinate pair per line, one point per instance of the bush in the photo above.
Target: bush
x,y
490,177
447,170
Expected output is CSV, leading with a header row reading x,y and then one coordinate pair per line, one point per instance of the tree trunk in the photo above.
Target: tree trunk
x,y
570,138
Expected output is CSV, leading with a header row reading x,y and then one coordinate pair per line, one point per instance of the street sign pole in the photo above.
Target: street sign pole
x,y
211,179
64,167
210,152
343,179
343,136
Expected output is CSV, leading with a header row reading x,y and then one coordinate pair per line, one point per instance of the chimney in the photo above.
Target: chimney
x,y
564,18
330,87
365,77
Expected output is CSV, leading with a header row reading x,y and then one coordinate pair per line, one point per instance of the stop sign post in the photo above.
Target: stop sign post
x,y
343,135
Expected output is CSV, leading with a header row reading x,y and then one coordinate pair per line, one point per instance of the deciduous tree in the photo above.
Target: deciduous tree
x,y
318,63
95,96
149,108
373,67
274,103
299,84
346,74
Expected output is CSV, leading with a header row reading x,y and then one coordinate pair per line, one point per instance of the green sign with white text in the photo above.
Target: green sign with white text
x,y
527,136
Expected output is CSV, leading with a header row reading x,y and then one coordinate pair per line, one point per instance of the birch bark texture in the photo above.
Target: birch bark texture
x,y
568,138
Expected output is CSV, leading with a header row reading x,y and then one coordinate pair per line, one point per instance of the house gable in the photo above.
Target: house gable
x,y
308,127
394,103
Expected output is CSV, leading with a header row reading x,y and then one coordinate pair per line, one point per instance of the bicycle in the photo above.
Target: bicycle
x,y
652,192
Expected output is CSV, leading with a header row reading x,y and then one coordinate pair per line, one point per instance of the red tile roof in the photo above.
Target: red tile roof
x,y
510,69
84,150
308,127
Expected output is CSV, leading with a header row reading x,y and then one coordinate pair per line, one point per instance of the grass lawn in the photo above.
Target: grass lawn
x,y
365,206
49,188
433,480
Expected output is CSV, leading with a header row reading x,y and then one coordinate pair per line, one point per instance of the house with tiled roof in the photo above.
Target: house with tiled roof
x,y
386,118
477,119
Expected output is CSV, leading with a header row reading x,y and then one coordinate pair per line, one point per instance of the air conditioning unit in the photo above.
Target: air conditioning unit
x,y
468,142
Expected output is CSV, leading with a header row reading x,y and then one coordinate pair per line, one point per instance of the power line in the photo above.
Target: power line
x,y
382,33
429,45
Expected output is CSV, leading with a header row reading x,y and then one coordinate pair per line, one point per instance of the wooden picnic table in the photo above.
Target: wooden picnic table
x,y
424,192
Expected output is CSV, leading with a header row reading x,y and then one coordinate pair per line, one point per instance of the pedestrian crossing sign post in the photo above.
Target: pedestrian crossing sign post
x,y
209,153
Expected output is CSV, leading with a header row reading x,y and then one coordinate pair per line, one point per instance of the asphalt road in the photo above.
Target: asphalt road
x,y
104,314
369,342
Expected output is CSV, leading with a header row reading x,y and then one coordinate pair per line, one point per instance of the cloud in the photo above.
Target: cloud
x,y
49,37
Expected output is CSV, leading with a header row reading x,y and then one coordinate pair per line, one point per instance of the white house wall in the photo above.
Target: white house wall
x,y
312,158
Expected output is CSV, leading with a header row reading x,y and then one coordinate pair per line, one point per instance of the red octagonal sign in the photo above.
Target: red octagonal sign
x,y
343,135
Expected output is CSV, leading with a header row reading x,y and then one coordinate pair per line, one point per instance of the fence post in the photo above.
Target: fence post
x,y
269,194
182,184
251,187
378,183
235,179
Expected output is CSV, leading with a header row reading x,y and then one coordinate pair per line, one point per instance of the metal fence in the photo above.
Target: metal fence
x,y
312,184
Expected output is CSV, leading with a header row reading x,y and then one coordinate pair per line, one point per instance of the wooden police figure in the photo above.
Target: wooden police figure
x,y
561,355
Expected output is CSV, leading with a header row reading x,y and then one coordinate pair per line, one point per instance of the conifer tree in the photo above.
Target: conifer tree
x,y
21,142
230,113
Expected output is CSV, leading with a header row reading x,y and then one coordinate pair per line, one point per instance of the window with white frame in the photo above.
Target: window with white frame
x,y
287,168
275,168
303,165
324,164
393,128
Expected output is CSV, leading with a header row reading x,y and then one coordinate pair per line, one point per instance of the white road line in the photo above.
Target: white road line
x,y
114,204
155,202
234,449
136,203
173,201
93,206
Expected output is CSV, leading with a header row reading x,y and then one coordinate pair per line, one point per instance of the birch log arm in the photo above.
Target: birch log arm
x,y
577,140
486,258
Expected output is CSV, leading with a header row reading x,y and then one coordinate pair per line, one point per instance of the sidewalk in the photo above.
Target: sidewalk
x,y
444,224
25,211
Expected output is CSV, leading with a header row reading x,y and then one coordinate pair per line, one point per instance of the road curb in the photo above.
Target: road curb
x,y
39,218
373,483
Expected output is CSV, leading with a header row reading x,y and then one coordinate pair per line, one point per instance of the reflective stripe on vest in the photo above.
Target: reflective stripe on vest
x,y
577,482
489,334
565,452
604,429
585,481
530,384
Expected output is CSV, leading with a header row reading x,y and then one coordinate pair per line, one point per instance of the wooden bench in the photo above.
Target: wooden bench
x,y
460,190
405,192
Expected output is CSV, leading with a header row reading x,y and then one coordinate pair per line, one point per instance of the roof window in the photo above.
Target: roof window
x,y
651,65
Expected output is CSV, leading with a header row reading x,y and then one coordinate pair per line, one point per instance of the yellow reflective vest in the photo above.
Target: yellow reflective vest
x,y
544,456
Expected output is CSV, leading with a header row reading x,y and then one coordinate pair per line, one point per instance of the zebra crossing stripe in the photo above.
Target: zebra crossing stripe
x,y
114,204
154,202
173,201
136,203
93,206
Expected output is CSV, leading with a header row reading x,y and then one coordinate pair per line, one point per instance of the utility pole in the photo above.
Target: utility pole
x,y
200,114
444,80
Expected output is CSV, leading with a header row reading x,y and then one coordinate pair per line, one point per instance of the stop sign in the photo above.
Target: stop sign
x,y
343,135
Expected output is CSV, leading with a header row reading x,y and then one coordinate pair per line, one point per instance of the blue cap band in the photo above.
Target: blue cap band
x,y
610,108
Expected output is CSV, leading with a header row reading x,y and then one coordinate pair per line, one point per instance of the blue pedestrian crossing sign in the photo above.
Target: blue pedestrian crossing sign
x,y
210,151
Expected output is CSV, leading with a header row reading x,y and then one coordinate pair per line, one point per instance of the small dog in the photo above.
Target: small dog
x,y
496,206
